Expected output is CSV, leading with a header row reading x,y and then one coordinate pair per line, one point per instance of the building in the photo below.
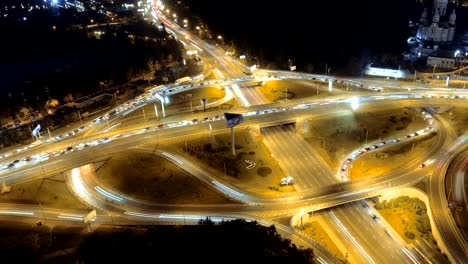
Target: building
x,y
438,24
434,40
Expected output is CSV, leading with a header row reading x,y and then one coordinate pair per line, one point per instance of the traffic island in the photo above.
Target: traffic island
x,y
333,138
383,162
277,90
252,169
51,192
149,177
408,217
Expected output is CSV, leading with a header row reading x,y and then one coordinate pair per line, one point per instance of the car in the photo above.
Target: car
x,y
376,218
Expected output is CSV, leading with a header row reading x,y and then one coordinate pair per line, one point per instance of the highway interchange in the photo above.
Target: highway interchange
x,y
318,186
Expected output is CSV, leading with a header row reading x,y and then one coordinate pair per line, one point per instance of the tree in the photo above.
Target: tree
x,y
68,98
24,114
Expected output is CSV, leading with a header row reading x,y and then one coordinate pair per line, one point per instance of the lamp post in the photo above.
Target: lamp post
x,y
367,133
79,116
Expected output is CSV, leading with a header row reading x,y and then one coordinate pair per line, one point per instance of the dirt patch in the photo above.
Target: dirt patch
x,y
195,95
155,179
252,169
51,192
334,138
293,89
314,230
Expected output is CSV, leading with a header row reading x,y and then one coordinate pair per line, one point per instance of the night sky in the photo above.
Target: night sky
x,y
319,30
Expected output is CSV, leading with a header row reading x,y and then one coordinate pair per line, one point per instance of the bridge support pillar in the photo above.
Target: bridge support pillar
x,y
233,144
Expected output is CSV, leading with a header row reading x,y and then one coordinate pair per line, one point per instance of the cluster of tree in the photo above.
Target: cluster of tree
x,y
231,241
234,241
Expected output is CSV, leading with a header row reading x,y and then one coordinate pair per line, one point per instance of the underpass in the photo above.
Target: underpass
x,y
310,171
297,157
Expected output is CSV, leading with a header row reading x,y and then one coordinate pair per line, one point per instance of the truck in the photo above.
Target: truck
x,y
183,80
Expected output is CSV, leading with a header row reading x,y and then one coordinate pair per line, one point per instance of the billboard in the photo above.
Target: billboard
x,y
36,130
233,120
88,217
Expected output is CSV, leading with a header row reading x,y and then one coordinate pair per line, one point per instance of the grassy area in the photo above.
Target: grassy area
x,y
408,217
335,137
155,179
380,162
51,192
252,169
314,230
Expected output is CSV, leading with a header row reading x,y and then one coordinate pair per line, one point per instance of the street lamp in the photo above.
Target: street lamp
x,y
367,133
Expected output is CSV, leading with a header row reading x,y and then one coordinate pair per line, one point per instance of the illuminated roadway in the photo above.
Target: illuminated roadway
x,y
342,192
263,118
444,222
313,199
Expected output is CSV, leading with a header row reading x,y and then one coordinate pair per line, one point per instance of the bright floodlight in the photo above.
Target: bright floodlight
x,y
354,103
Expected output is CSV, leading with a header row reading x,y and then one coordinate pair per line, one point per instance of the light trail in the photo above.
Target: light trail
x,y
13,212
229,190
172,157
358,246
108,194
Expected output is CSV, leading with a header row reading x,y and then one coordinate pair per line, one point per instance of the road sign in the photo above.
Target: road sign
x,y
36,130
233,120
89,216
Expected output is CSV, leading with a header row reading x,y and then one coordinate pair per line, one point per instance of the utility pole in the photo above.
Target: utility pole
x,y
79,116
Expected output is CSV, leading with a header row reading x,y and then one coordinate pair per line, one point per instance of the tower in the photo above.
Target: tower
x,y
440,6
